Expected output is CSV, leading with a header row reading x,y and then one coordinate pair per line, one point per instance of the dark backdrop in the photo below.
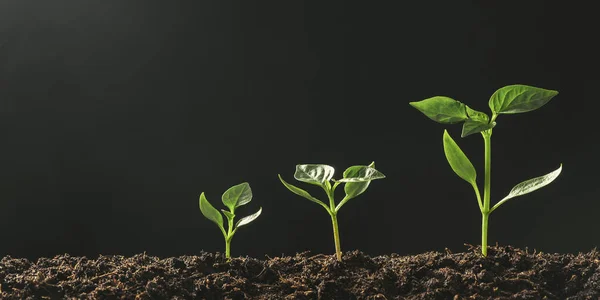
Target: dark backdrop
x,y
115,115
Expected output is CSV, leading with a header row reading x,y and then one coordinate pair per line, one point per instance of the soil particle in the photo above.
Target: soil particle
x,y
507,273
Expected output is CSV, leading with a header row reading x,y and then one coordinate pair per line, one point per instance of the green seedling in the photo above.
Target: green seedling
x,y
356,180
233,198
510,99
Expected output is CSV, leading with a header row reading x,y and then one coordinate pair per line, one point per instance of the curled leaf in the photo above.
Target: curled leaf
x,y
300,192
210,212
246,220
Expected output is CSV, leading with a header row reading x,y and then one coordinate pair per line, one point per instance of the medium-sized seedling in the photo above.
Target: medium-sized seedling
x,y
233,198
356,180
510,99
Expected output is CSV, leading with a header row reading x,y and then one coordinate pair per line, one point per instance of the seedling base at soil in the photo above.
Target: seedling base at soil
x,y
506,273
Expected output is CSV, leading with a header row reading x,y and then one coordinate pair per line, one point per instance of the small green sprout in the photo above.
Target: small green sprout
x,y
510,99
356,180
233,198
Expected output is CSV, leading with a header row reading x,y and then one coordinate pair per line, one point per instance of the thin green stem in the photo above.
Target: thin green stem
x,y
229,237
336,236
487,138
484,232
334,222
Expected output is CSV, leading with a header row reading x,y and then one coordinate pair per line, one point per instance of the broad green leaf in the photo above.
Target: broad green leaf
x,y
237,196
519,98
314,174
355,188
472,126
300,192
245,220
442,109
458,160
228,214
477,115
210,212
529,186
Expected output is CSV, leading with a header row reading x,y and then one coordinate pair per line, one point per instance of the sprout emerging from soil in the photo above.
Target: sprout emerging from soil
x,y
510,99
233,198
356,180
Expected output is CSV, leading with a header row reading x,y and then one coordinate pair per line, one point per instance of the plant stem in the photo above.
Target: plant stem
x,y
487,138
228,247
336,236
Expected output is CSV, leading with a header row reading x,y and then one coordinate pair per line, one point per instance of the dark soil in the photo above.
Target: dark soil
x,y
507,273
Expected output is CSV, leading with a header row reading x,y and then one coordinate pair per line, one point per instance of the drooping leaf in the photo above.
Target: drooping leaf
x,y
300,192
228,214
210,212
477,115
314,173
529,186
472,126
459,162
442,109
237,196
245,220
519,98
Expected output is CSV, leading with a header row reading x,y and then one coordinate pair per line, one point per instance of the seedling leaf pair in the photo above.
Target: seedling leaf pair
x,y
507,100
233,198
356,180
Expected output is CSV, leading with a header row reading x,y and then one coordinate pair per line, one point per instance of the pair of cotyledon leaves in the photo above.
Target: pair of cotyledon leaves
x,y
356,180
233,198
511,99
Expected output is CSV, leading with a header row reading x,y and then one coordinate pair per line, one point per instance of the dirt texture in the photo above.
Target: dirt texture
x,y
507,273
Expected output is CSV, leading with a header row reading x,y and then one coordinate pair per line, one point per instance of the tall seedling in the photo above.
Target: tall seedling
x,y
510,99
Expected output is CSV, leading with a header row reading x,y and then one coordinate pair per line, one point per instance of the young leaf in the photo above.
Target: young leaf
x,y
210,212
228,214
459,162
353,189
361,174
472,126
314,174
529,186
477,115
245,220
237,196
519,98
300,192
442,109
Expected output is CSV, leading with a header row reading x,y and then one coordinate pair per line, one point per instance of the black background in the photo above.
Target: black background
x,y
115,115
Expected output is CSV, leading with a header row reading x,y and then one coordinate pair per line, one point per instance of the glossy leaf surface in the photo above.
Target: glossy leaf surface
x,y
246,220
314,173
530,185
237,195
300,192
519,98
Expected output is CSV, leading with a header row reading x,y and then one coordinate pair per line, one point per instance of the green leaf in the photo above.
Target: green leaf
x,y
442,109
472,126
210,212
228,214
477,115
355,188
300,192
245,220
314,174
237,196
529,186
518,98
361,174
458,160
